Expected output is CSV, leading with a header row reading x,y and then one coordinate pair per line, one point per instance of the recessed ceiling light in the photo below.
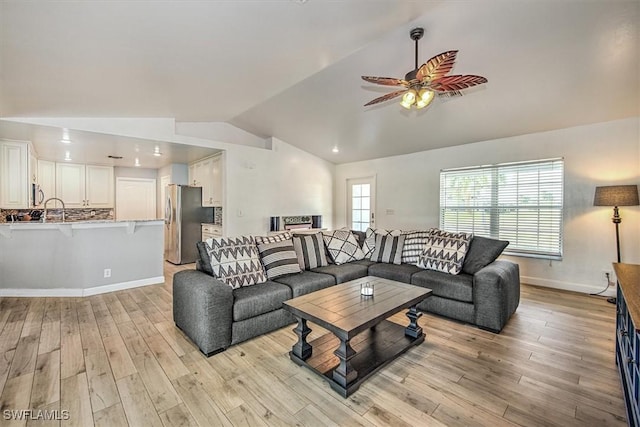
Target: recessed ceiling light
x,y
335,149
156,152
65,136
137,164
67,156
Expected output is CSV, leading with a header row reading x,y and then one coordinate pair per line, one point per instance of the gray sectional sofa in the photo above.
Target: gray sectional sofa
x,y
215,316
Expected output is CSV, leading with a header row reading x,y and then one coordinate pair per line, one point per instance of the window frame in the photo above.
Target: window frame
x,y
493,209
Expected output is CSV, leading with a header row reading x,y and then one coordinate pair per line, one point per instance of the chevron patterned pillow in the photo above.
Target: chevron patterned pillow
x,y
235,261
445,251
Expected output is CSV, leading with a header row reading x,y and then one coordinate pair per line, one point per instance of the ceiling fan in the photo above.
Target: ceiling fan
x,y
420,85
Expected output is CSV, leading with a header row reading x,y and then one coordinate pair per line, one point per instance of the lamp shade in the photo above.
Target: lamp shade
x,y
616,195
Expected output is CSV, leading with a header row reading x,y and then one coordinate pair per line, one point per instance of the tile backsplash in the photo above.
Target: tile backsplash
x,y
71,215
217,216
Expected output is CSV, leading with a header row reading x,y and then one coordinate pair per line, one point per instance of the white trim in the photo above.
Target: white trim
x,y
65,292
567,286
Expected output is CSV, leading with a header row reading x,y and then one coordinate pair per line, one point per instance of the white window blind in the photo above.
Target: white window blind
x,y
520,202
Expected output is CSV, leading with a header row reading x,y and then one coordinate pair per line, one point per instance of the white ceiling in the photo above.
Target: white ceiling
x,y
94,148
292,70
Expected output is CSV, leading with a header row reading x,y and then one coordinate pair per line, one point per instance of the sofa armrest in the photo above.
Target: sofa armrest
x,y
203,309
496,294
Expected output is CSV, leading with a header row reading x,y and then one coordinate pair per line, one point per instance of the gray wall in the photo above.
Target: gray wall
x,y
48,259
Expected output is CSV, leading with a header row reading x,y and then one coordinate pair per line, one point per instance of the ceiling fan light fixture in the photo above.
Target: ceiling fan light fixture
x,y
408,99
424,98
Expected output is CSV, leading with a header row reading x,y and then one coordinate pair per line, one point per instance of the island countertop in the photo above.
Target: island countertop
x,y
66,227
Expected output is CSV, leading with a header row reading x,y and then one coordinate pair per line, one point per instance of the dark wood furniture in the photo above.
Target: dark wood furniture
x,y
361,339
628,337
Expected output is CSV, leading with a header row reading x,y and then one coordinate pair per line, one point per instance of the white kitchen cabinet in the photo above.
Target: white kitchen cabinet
x,y
14,175
207,173
84,186
47,181
99,186
210,231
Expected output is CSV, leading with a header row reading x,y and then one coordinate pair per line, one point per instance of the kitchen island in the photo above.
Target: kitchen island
x,y
79,258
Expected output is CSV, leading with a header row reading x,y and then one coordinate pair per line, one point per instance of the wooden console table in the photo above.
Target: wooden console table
x,y
628,337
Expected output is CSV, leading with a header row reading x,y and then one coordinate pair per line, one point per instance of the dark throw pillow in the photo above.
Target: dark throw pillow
x,y
482,252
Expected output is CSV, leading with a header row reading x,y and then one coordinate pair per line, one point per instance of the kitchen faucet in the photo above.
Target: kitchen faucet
x,y
44,216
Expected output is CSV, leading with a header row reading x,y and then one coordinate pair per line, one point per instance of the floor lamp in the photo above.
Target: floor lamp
x,y
616,195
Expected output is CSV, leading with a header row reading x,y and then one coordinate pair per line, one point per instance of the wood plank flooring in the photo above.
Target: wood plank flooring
x,y
117,359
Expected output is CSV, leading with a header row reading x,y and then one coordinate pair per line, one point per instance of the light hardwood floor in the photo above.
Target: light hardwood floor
x,y
117,359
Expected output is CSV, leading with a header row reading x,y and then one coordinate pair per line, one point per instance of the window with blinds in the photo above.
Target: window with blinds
x,y
520,202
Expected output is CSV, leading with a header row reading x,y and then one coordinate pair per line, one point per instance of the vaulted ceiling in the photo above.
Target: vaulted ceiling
x,y
291,69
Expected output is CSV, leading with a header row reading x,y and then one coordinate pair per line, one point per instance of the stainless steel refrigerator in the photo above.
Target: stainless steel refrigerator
x,y
183,218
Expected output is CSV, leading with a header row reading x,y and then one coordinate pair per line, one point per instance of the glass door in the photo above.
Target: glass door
x,y
361,203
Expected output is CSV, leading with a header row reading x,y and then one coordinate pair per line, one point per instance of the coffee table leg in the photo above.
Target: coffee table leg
x,y
302,349
413,330
344,374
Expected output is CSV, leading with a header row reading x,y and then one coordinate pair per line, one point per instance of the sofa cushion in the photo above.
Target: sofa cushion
x,y
235,261
458,287
252,301
445,251
401,272
388,249
345,272
414,244
365,262
482,252
279,259
342,246
273,238
307,282
310,251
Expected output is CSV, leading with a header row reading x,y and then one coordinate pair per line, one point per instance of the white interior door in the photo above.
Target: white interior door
x,y
361,203
135,198
164,181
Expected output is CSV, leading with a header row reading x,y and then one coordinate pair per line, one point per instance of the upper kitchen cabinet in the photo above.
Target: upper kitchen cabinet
x,y
47,181
16,174
207,173
84,186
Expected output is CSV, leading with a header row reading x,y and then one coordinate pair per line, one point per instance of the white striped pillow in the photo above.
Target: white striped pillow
x,y
310,251
279,259
388,249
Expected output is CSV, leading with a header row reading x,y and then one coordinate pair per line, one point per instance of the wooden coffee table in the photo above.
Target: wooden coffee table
x,y
361,339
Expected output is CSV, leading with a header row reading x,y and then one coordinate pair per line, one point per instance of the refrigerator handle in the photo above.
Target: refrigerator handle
x,y
167,211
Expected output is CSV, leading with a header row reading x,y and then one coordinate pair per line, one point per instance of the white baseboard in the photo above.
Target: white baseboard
x,y
568,286
66,292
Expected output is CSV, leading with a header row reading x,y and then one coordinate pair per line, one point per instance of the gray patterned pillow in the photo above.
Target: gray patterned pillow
x,y
369,243
279,259
414,245
235,261
342,246
280,237
445,251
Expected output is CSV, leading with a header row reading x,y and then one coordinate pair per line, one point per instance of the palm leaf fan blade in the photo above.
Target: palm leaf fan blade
x,y
385,81
456,83
386,97
437,67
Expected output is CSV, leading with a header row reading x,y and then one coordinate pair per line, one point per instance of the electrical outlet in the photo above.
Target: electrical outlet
x,y
107,272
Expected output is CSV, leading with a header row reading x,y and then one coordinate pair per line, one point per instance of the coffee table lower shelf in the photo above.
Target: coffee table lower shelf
x,y
374,348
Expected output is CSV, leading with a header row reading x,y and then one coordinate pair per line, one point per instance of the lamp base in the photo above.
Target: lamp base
x,y
612,300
